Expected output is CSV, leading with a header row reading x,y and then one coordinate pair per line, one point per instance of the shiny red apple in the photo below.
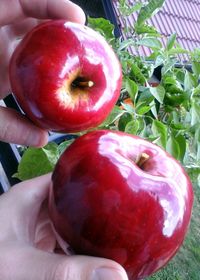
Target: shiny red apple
x,y
120,197
65,76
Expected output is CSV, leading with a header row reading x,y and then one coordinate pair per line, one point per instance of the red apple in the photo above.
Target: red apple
x,y
118,196
65,76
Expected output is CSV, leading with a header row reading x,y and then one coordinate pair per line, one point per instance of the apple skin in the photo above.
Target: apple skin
x,y
103,204
45,65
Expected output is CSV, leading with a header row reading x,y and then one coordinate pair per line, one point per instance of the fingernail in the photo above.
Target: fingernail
x,y
109,273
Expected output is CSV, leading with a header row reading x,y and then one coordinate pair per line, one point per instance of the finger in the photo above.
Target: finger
x,y
43,266
53,9
7,46
23,201
15,128
40,9
23,26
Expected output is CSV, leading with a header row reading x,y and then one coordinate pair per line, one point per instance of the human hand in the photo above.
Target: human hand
x,y
17,17
27,241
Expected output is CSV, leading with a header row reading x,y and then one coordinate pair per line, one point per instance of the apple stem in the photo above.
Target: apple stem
x,y
142,159
83,83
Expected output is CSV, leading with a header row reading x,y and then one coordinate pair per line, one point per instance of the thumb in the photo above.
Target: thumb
x,y
26,199
81,268
39,265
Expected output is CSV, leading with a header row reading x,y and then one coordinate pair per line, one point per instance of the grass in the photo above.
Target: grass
x,y
186,264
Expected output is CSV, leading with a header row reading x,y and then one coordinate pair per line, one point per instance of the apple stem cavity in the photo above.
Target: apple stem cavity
x,y
141,159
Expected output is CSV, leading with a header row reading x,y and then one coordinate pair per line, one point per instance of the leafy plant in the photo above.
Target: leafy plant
x,y
39,161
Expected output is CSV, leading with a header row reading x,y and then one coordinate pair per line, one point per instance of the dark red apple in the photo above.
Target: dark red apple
x,y
120,197
65,76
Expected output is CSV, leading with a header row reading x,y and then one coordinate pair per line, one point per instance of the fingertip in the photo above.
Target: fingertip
x,y
109,273
67,10
96,268
110,270
33,137
76,12
41,140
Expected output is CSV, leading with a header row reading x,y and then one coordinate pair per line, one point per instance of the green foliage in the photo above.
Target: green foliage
x,y
149,10
132,88
158,92
146,29
160,131
125,8
103,26
36,162
171,41
167,114
150,42
113,117
40,161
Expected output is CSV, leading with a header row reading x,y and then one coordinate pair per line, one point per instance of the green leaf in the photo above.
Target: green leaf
x,y
127,10
193,172
124,119
172,85
128,108
142,131
175,95
132,127
159,60
168,66
145,95
132,88
190,81
179,126
170,80
196,68
125,44
195,54
146,29
195,113
136,74
180,75
153,108
37,161
196,92
171,40
113,116
149,10
159,129
158,92
135,8
177,50
180,139
172,147
142,109
150,42
64,145
103,26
